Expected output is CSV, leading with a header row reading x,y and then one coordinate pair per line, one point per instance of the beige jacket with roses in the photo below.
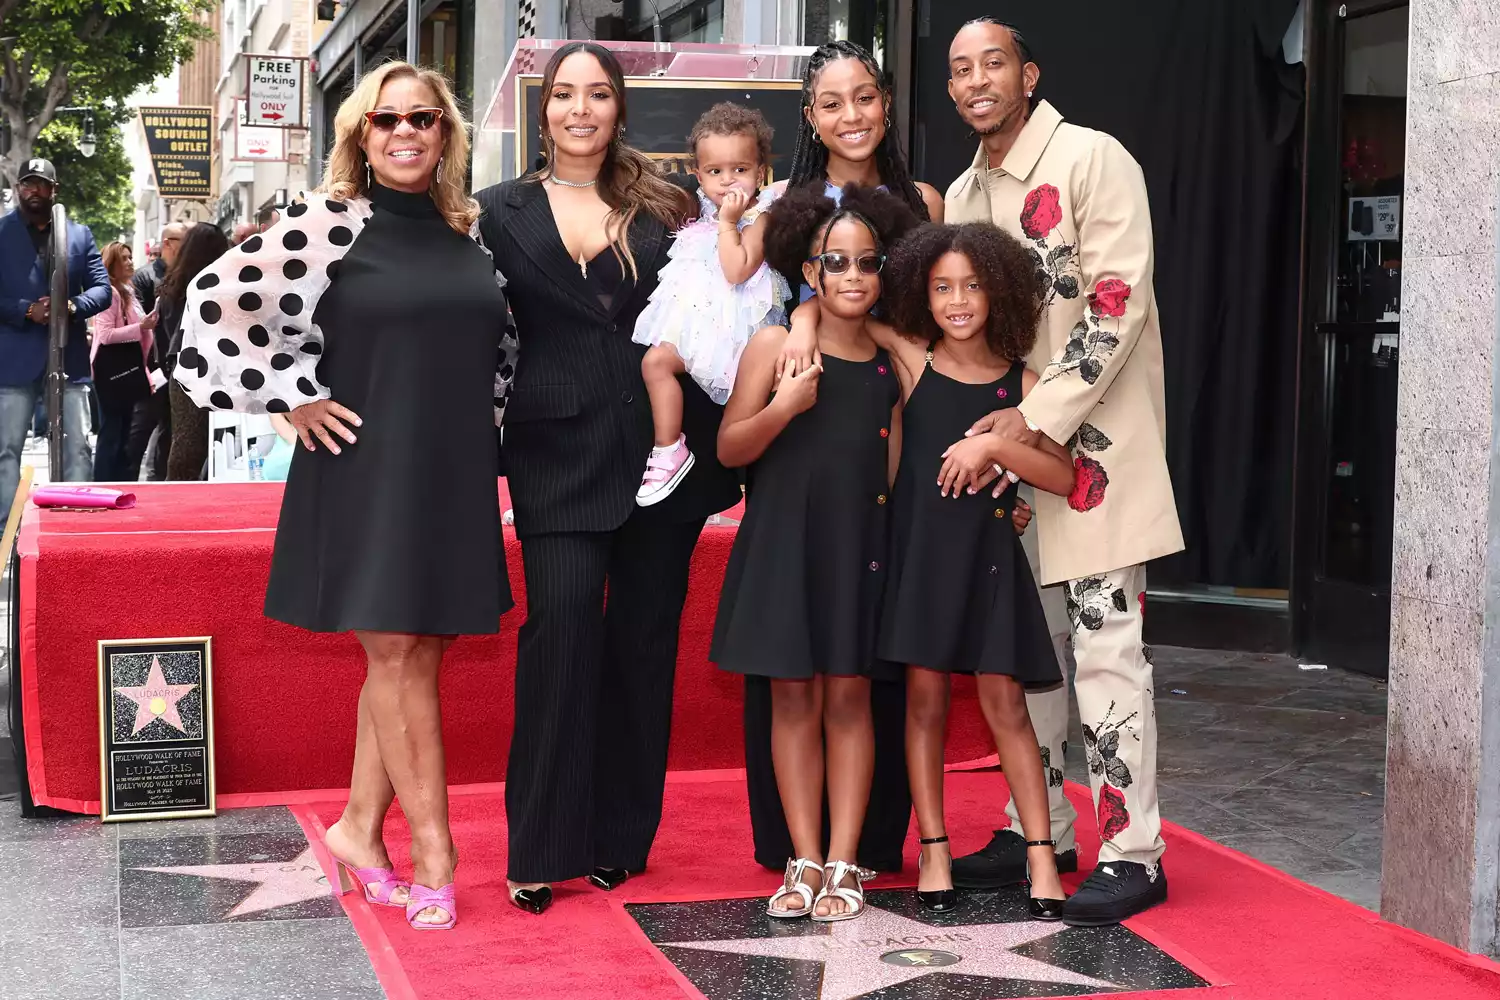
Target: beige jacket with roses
x,y
1078,200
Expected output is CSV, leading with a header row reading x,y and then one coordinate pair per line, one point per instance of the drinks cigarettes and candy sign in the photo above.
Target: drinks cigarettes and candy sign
x,y
274,91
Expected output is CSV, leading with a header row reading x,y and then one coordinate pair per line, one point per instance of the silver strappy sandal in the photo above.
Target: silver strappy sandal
x,y
792,884
833,875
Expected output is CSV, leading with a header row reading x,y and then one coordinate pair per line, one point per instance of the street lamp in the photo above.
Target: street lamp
x,y
89,144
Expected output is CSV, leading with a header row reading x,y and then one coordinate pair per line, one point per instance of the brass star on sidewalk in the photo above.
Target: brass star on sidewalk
x,y
882,949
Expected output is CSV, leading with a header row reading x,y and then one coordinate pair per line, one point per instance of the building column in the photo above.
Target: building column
x,y
1441,858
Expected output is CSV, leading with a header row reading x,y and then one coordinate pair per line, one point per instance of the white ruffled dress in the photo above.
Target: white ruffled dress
x,y
696,309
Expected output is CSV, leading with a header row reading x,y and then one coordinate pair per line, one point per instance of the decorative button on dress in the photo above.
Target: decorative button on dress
x,y
960,597
803,584
384,307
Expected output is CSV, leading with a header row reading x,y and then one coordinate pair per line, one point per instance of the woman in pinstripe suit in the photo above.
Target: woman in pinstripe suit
x,y
580,242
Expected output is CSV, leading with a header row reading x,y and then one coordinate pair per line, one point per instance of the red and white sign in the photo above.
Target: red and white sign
x,y
256,142
274,91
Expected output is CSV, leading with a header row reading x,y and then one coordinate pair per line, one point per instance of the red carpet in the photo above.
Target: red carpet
x,y
1252,932
192,560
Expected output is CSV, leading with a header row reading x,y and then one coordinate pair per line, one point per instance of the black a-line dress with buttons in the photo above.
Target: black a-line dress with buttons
x,y
804,580
384,307
960,597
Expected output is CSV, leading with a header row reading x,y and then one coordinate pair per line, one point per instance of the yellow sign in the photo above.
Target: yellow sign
x,y
180,142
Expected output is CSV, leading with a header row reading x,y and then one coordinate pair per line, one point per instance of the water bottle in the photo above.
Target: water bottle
x,y
257,464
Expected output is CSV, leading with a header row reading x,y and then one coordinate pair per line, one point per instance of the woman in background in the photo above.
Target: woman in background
x,y
120,323
188,453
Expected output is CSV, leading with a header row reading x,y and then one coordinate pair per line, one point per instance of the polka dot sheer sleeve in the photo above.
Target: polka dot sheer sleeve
x,y
248,339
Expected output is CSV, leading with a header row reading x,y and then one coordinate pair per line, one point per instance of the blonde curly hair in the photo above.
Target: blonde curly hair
x,y
345,176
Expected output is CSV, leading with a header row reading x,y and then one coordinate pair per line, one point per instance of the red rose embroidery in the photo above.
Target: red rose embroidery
x,y
1042,213
1114,818
1109,297
1089,483
1143,604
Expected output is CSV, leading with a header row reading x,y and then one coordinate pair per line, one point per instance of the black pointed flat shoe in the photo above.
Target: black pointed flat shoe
x,y
1045,909
532,900
608,878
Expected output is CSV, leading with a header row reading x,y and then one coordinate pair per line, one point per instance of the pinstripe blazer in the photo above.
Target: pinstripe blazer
x,y
578,426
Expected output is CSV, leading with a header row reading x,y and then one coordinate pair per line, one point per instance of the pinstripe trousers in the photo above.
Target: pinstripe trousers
x,y
588,757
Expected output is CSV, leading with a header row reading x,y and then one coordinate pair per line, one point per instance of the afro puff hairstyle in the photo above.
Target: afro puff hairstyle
x,y
1006,271
797,223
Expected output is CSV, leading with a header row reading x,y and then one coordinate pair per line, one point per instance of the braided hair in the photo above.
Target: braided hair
x,y
810,158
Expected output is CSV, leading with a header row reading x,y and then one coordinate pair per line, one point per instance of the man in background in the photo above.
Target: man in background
x,y
26,308
148,276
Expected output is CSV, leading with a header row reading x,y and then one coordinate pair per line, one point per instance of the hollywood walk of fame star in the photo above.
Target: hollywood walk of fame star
x,y
851,952
156,699
281,883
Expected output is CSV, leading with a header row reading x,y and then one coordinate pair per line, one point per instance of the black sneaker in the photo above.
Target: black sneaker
x,y
1002,863
1116,891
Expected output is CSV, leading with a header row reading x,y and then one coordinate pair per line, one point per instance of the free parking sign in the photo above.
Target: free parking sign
x,y
274,91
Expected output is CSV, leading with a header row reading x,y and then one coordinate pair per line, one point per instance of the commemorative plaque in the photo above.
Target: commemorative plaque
x,y
156,751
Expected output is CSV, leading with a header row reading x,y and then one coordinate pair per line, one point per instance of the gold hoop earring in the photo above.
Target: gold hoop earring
x,y
439,175
369,176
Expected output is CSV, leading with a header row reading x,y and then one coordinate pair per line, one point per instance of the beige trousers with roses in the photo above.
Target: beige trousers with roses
x,y
1116,704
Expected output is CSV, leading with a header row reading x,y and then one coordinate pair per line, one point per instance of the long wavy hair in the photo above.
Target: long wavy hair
x,y
112,254
629,181
203,244
810,158
347,175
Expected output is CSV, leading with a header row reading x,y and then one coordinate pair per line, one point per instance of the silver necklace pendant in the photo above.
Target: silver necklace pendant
x,y
572,184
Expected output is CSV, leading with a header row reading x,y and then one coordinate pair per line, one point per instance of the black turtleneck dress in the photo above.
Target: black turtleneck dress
x,y
401,532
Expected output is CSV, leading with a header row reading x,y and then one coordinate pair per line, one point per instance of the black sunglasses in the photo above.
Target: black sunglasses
x,y
838,263
421,119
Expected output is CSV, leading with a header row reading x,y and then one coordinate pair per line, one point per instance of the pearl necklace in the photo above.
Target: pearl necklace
x,y
552,179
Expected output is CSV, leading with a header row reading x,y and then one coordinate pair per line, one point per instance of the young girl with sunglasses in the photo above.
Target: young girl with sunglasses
x,y
961,598
804,580
715,292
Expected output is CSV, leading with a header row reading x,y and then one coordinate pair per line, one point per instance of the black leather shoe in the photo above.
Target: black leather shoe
x,y
532,900
1002,863
1045,909
608,878
1116,891
936,900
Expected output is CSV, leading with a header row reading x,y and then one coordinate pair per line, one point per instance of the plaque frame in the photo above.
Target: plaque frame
x,y
203,645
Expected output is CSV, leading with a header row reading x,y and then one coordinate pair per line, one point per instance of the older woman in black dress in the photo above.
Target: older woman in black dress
x,y
371,318
581,241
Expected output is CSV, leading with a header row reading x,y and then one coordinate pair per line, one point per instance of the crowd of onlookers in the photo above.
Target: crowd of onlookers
x,y
125,331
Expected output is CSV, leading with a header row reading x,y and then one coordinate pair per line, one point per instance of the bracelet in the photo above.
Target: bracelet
x,y
1033,428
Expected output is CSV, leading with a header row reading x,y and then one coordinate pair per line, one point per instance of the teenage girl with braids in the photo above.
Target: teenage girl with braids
x,y
804,582
844,138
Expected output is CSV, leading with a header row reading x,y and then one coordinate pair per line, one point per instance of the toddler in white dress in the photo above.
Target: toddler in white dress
x,y
714,293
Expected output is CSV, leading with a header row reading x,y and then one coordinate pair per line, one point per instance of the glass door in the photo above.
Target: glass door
x,y
1345,482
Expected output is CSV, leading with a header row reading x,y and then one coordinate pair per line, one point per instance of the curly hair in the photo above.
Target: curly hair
x,y
797,224
1006,271
727,118
810,157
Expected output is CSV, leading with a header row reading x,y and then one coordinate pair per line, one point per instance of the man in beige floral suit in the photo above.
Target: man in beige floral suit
x,y
1078,200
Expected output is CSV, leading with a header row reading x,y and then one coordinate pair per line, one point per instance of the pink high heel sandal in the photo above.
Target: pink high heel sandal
x,y
385,880
422,897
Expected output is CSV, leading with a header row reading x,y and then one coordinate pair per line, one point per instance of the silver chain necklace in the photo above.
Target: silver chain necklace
x,y
553,179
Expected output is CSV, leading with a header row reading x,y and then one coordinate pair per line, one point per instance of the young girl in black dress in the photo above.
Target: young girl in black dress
x,y
803,586
961,598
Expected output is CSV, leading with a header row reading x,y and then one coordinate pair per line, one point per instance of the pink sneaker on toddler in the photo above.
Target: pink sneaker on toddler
x,y
664,470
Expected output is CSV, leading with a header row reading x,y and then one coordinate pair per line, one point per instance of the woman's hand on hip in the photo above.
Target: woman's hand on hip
x,y
325,420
